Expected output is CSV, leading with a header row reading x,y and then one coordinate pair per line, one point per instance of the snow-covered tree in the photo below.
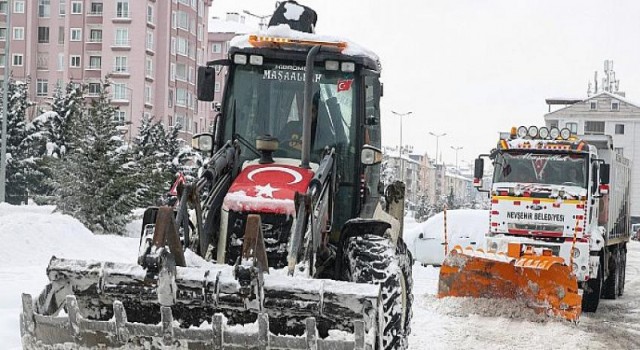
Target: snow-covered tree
x,y
93,183
66,108
18,153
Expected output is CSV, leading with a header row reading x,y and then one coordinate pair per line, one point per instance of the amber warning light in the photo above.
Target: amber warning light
x,y
264,41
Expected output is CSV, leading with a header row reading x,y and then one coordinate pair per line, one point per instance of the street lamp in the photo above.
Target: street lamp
x,y
400,149
437,136
262,19
456,149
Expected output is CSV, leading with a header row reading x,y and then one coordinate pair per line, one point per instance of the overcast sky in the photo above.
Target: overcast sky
x,y
475,67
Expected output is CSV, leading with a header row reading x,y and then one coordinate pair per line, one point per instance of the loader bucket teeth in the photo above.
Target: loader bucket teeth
x,y
544,283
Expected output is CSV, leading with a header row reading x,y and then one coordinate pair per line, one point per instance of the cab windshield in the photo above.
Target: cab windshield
x,y
268,100
549,169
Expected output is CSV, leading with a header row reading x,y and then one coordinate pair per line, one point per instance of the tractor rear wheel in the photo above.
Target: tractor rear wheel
x,y
376,260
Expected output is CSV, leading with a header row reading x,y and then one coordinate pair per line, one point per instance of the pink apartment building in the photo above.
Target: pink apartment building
x,y
149,49
221,31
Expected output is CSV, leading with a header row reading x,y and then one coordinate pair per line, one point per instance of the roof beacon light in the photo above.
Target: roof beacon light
x,y
522,132
565,133
266,41
513,132
533,132
543,133
554,133
240,59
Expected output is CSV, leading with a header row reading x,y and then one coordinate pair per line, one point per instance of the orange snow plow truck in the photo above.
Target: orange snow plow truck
x,y
559,224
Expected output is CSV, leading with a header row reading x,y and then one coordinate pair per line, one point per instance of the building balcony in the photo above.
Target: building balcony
x,y
122,17
94,13
94,67
121,72
121,45
94,41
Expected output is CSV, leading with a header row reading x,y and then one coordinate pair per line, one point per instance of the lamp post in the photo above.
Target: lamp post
x,y
437,136
5,104
457,148
262,19
400,149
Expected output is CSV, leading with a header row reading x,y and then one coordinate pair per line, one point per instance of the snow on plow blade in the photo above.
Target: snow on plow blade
x,y
543,283
110,305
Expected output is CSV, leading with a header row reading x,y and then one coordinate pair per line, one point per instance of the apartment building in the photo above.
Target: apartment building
x,y
149,49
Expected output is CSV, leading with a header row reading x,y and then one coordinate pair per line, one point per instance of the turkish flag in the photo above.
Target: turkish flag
x,y
174,189
344,85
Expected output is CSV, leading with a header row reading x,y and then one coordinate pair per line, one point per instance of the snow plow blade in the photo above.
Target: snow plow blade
x,y
543,282
113,305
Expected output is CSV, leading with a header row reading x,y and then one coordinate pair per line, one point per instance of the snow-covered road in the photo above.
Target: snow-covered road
x,y
32,234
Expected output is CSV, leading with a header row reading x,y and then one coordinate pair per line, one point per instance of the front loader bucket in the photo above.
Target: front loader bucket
x,y
543,283
113,305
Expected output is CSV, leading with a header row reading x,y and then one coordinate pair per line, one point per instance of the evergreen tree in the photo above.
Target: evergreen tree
x,y
66,108
18,154
93,183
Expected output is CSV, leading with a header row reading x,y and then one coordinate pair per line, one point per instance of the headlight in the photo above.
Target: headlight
x,y
544,133
554,133
522,132
575,267
576,253
533,132
565,133
494,246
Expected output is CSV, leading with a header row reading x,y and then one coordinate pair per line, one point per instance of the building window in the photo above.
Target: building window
x,y
173,45
149,41
96,9
181,71
95,35
170,100
615,105
120,91
18,6
593,105
62,8
3,7
150,14
593,128
119,116
42,88
122,9
182,20
573,127
181,98
122,37
94,88
44,8
74,61
18,33
147,94
61,61
619,150
60,35
172,72
76,8
121,65
216,48
43,35
43,61
3,33
95,62
182,46
3,60
76,34
18,60
149,67
619,129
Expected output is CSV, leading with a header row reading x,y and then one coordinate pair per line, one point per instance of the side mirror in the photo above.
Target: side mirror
x,y
604,174
478,172
206,83
202,142
370,155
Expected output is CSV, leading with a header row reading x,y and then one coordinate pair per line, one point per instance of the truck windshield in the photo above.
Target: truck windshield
x,y
549,169
269,99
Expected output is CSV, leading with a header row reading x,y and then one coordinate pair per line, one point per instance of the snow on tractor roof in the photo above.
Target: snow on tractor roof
x,y
284,31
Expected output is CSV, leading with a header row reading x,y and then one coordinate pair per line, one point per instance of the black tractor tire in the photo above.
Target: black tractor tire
x,y
623,270
611,284
374,259
592,291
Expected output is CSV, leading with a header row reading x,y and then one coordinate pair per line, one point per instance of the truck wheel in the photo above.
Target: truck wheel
x,y
623,270
592,289
610,290
374,259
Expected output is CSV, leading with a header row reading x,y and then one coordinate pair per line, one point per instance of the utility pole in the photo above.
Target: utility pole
x,y
401,160
455,183
263,23
437,136
5,104
438,174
